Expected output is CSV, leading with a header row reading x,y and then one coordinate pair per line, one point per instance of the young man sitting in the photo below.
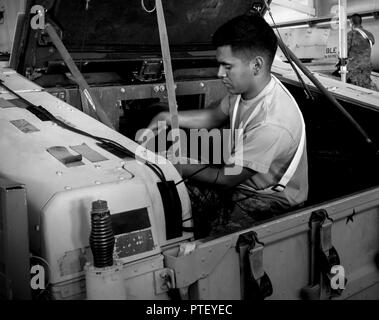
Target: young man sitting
x,y
268,141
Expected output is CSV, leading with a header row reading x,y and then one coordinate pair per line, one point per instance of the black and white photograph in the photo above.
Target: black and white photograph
x,y
192,156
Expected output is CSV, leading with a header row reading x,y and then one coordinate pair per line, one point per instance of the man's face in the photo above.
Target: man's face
x,y
234,71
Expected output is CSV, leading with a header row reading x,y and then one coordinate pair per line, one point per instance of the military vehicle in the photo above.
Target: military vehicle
x,y
83,78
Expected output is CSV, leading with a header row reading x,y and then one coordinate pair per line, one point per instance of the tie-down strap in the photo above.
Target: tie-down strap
x,y
255,283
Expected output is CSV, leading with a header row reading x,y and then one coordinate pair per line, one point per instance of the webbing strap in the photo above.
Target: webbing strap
x,y
280,186
83,85
255,283
173,107
323,257
364,35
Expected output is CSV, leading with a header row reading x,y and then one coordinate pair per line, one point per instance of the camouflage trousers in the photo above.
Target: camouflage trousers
x,y
361,77
218,211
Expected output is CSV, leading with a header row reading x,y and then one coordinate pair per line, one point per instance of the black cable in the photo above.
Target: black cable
x,y
307,92
159,169
154,169
191,229
188,219
213,183
193,174
15,93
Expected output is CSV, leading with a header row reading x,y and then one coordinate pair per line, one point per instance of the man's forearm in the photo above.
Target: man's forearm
x,y
217,176
192,119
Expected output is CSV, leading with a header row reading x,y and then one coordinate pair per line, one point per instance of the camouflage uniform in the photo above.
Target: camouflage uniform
x,y
359,59
218,211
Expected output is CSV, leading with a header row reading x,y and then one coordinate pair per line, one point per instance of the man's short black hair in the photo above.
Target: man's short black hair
x,y
356,19
248,36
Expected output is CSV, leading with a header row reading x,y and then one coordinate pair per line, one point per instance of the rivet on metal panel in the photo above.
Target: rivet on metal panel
x,y
156,88
97,182
97,166
67,188
59,173
123,90
202,84
162,88
121,178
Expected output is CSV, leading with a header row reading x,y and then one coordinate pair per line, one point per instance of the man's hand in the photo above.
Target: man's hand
x,y
158,123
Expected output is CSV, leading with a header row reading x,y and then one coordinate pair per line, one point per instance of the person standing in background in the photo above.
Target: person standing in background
x,y
359,44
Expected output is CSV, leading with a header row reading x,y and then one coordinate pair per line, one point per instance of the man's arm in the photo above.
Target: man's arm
x,y
208,118
371,37
218,176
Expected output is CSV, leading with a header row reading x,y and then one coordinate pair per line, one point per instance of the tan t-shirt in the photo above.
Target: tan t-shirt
x,y
270,140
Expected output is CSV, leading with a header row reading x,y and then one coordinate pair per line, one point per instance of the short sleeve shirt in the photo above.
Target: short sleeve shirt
x,y
271,129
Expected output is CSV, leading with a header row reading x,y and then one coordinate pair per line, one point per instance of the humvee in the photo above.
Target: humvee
x,y
84,77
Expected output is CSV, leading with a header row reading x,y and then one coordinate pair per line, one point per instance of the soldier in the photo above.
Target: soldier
x,y
270,142
359,44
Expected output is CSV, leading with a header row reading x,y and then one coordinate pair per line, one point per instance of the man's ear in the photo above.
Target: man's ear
x,y
257,64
